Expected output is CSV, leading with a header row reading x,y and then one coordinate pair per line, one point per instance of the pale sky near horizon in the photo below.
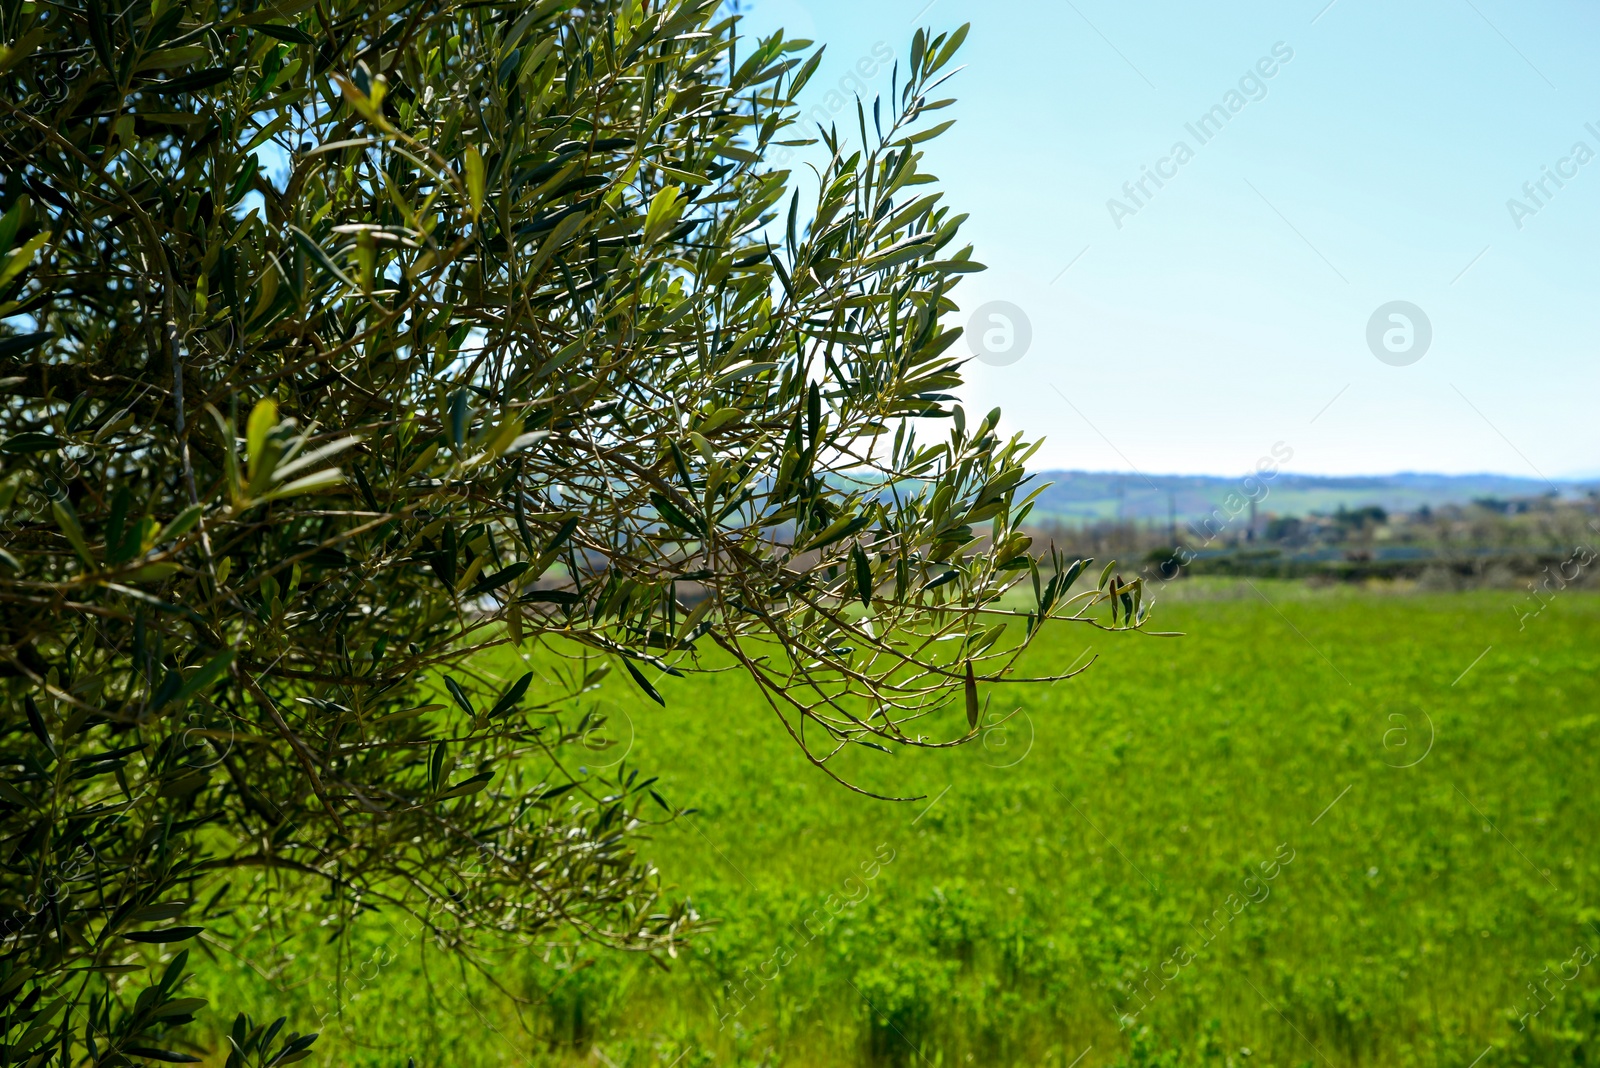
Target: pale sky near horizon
x,y
1227,310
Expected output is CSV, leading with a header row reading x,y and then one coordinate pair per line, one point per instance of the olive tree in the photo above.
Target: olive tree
x,y
354,351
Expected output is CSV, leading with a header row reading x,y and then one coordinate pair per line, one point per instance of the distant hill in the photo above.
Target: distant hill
x,y
1078,496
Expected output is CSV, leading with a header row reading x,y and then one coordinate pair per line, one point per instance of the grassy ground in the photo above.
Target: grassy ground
x,y
1208,850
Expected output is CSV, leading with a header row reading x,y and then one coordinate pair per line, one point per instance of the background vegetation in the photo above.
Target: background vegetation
x,y
1148,497
1026,908
1538,543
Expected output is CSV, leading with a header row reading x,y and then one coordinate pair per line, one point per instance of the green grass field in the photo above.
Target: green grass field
x,y
1205,851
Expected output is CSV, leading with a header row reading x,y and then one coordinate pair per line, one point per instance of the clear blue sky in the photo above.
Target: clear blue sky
x,y
1231,305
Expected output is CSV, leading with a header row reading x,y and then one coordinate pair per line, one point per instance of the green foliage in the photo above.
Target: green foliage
x,y
343,342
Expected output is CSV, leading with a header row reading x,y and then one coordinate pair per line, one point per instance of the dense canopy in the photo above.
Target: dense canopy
x,y
378,377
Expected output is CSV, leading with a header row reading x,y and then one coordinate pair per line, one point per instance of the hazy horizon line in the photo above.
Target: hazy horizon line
x,y
1583,478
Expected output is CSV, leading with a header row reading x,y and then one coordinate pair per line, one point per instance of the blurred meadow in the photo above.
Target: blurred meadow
x,y
1331,826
